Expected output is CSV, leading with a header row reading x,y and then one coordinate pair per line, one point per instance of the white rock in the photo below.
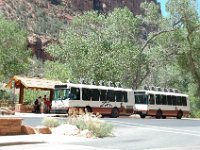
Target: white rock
x,y
65,129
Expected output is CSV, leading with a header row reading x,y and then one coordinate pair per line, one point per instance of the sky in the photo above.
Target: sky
x,y
164,13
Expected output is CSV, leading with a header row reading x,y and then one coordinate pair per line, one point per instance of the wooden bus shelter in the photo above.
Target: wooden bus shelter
x,y
22,83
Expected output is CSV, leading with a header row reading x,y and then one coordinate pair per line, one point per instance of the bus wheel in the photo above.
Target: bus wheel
x,y
164,117
142,115
159,114
114,113
179,114
88,109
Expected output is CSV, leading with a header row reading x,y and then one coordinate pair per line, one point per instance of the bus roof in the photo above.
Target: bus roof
x,y
161,93
66,85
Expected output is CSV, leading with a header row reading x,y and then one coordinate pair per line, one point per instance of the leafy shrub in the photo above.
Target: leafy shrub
x,y
31,95
6,94
50,122
78,121
98,127
195,105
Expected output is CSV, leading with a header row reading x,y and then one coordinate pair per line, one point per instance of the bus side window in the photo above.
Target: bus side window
x,y
164,100
103,95
174,101
75,94
158,99
111,96
95,94
119,96
169,100
184,101
179,101
86,94
151,99
125,99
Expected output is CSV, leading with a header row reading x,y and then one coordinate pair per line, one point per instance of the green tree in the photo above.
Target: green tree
x,y
175,46
183,42
177,50
57,71
105,47
13,49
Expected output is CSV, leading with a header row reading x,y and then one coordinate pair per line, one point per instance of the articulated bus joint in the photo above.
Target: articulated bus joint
x,y
140,112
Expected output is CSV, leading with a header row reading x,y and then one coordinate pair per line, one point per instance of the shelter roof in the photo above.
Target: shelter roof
x,y
32,83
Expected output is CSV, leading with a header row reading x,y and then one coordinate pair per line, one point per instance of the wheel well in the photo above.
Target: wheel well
x,y
114,112
115,108
159,110
159,114
179,114
180,111
88,109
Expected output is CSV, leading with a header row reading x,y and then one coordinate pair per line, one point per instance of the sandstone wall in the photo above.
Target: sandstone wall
x,y
10,126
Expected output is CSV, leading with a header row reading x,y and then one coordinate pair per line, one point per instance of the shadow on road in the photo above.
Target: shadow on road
x,y
19,143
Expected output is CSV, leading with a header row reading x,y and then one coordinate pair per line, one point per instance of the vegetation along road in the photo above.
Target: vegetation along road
x,y
140,134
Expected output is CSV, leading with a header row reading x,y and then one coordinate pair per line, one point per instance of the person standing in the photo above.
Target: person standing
x,y
41,104
47,104
37,106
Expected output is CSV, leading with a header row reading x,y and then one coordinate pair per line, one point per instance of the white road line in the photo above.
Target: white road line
x,y
161,129
175,132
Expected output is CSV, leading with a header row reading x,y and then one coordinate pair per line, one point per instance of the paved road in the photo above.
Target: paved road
x,y
142,134
137,134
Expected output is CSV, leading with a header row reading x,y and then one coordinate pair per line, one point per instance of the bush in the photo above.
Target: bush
x,y
50,122
195,105
98,127
31,95
6,94
78,121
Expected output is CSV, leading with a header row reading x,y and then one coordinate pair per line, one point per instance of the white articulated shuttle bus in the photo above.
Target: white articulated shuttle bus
x,y
161,104
106,100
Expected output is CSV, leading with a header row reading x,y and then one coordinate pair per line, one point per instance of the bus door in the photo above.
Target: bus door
x,y
141,102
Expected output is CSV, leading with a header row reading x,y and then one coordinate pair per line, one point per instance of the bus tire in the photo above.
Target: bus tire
x,y
179,114
88,109
142,115
159,114
114,113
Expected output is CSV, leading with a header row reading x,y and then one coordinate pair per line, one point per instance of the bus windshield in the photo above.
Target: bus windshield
x,y
61,94
141,99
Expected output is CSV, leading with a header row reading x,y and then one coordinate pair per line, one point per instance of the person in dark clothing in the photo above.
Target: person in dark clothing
x,y
37,106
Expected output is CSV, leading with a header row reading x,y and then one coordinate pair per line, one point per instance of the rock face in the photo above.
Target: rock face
x,y
1,2
102,6
63,10
107,5
37,44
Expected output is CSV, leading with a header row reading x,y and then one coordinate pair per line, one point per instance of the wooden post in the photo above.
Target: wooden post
x,y
21,94
51,95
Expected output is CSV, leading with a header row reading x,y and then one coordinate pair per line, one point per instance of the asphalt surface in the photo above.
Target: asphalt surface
x,y
129,134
